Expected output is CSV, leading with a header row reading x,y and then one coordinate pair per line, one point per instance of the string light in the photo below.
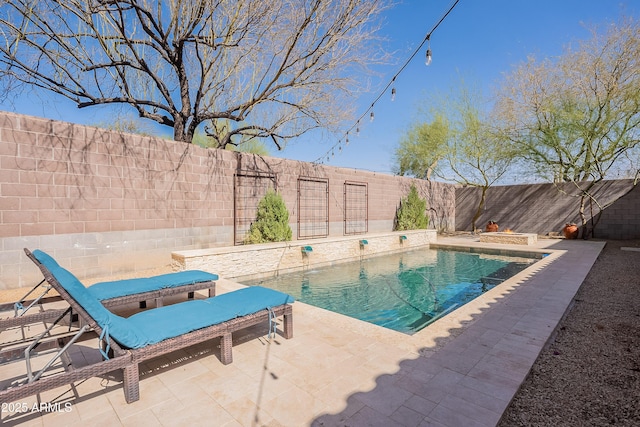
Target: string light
x,y
393,90
428,59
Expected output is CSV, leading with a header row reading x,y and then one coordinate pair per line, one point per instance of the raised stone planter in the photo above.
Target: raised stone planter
x,y
509,238
250,261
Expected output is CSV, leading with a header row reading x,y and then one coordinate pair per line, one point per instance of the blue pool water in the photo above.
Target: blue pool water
x,y
405,291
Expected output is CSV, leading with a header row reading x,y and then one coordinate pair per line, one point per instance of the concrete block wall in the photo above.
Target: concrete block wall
x,y
544,208
103,202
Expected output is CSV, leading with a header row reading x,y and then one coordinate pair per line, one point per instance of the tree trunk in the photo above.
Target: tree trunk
x,y
479,210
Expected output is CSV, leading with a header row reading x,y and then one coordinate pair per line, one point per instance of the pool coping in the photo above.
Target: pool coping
x,y
471,363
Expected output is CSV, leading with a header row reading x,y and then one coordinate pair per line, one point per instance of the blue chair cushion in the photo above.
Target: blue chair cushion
x,y
45,259
249,300
118,327
174,320
120,288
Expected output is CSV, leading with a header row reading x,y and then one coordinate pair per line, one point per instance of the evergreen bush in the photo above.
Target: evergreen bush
x,y
272,221
411,214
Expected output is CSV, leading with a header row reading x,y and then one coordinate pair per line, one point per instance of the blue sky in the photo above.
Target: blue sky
x,y
479,41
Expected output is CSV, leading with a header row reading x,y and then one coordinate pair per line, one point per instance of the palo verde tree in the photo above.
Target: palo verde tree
x,y
422,147
463,148
271,69
576,118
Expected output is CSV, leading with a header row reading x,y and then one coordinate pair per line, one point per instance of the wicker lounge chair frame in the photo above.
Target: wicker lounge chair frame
x,y
24,310
127,360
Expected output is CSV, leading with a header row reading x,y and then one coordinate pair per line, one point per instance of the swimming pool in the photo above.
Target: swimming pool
x,y
404,291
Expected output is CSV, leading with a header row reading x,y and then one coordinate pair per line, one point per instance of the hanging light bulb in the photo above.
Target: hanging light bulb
x,y
428,58
393,89
357,129
372,116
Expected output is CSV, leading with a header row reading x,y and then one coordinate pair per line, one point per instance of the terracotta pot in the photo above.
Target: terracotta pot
x,y
570,231
491,227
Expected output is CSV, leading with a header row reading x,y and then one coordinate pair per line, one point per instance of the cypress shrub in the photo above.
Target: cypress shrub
x,y
411,214
272,221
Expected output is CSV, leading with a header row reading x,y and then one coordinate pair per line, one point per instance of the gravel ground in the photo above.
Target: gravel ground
x,y
589,374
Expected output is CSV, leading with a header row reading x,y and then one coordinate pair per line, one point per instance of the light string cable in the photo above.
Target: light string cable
x,y
369,110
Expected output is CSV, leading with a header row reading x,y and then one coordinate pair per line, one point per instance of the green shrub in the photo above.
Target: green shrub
x,y
272,221
411,214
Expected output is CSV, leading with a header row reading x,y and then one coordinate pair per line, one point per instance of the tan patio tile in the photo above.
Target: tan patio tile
x,y
213,364
294,407
182,370
336,395
142,418
60,416
452,417
471,410
91,403
371,418
152,393
101,419
407,417
187,391
420,405
229,389
247,412
201,412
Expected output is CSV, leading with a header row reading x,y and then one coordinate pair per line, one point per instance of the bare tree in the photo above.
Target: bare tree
x,y
273,69
576,118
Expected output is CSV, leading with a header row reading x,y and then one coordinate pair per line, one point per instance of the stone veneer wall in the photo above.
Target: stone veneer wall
x,y
544,208
268,259
103,202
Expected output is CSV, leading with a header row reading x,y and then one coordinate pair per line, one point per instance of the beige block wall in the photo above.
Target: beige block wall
x,y
103,202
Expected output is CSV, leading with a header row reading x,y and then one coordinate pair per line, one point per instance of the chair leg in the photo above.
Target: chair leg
x,y
131,383
288,326
226,345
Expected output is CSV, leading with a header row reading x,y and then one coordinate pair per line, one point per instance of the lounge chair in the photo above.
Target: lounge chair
x,y
125,342
29,309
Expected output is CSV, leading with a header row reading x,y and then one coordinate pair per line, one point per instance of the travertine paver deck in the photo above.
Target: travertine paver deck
x,y
461,371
